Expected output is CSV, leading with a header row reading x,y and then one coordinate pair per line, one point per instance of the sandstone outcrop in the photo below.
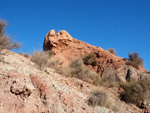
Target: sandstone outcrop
x,y
63,45
66,48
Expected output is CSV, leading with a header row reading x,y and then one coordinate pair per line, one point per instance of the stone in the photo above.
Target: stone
x,y
52,33
66,48
145,76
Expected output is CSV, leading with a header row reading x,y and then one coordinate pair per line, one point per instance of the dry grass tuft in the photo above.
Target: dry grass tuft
x,y
112,51
25,55
40,58
56,64
98,98
89,59
109,78
79,70
136,92
101,98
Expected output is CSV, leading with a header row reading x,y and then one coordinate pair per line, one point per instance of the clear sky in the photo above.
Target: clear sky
x,y
120,24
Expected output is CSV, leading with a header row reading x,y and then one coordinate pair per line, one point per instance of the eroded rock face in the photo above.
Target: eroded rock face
x,y
66,48
26,89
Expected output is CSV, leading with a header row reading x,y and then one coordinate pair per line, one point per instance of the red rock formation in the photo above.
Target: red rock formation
x,y
26,89
66,48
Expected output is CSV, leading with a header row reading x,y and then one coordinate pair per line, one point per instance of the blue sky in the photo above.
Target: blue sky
x,y
120,24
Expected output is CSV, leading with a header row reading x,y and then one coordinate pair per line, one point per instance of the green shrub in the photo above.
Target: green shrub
x,y
109,78
79,70
101,98
112,51
40,58
135,92
89,59
134,57
5,41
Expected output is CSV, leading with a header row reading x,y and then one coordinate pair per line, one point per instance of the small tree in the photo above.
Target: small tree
x,y
5,41
134,57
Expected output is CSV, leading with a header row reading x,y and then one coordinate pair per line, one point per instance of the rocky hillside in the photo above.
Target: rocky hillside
x,y
66,48
26,89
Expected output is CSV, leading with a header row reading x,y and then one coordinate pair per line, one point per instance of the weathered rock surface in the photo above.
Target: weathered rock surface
x,y
26,89
63,45
66,48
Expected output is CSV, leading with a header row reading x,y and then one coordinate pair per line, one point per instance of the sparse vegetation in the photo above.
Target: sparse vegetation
x,y
25,55
89,59
79,70
109,78
40,58
112,51
5,41
134,60
56,64
20,53
98,98
136,92
101,98
131,63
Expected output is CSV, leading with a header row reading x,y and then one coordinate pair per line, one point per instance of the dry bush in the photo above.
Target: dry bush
x,y
20,53
5,41
134,57
109,78
27,55
101,98
135,92
112,51
40,58
24,54
131,63
89,59
98,98
56,64
79,70
50,52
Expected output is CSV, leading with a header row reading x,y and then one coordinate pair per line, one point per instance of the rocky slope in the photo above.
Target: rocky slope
x,y
26,89
66,48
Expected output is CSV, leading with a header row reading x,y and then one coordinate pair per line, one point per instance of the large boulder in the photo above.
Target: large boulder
x,y
125,73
